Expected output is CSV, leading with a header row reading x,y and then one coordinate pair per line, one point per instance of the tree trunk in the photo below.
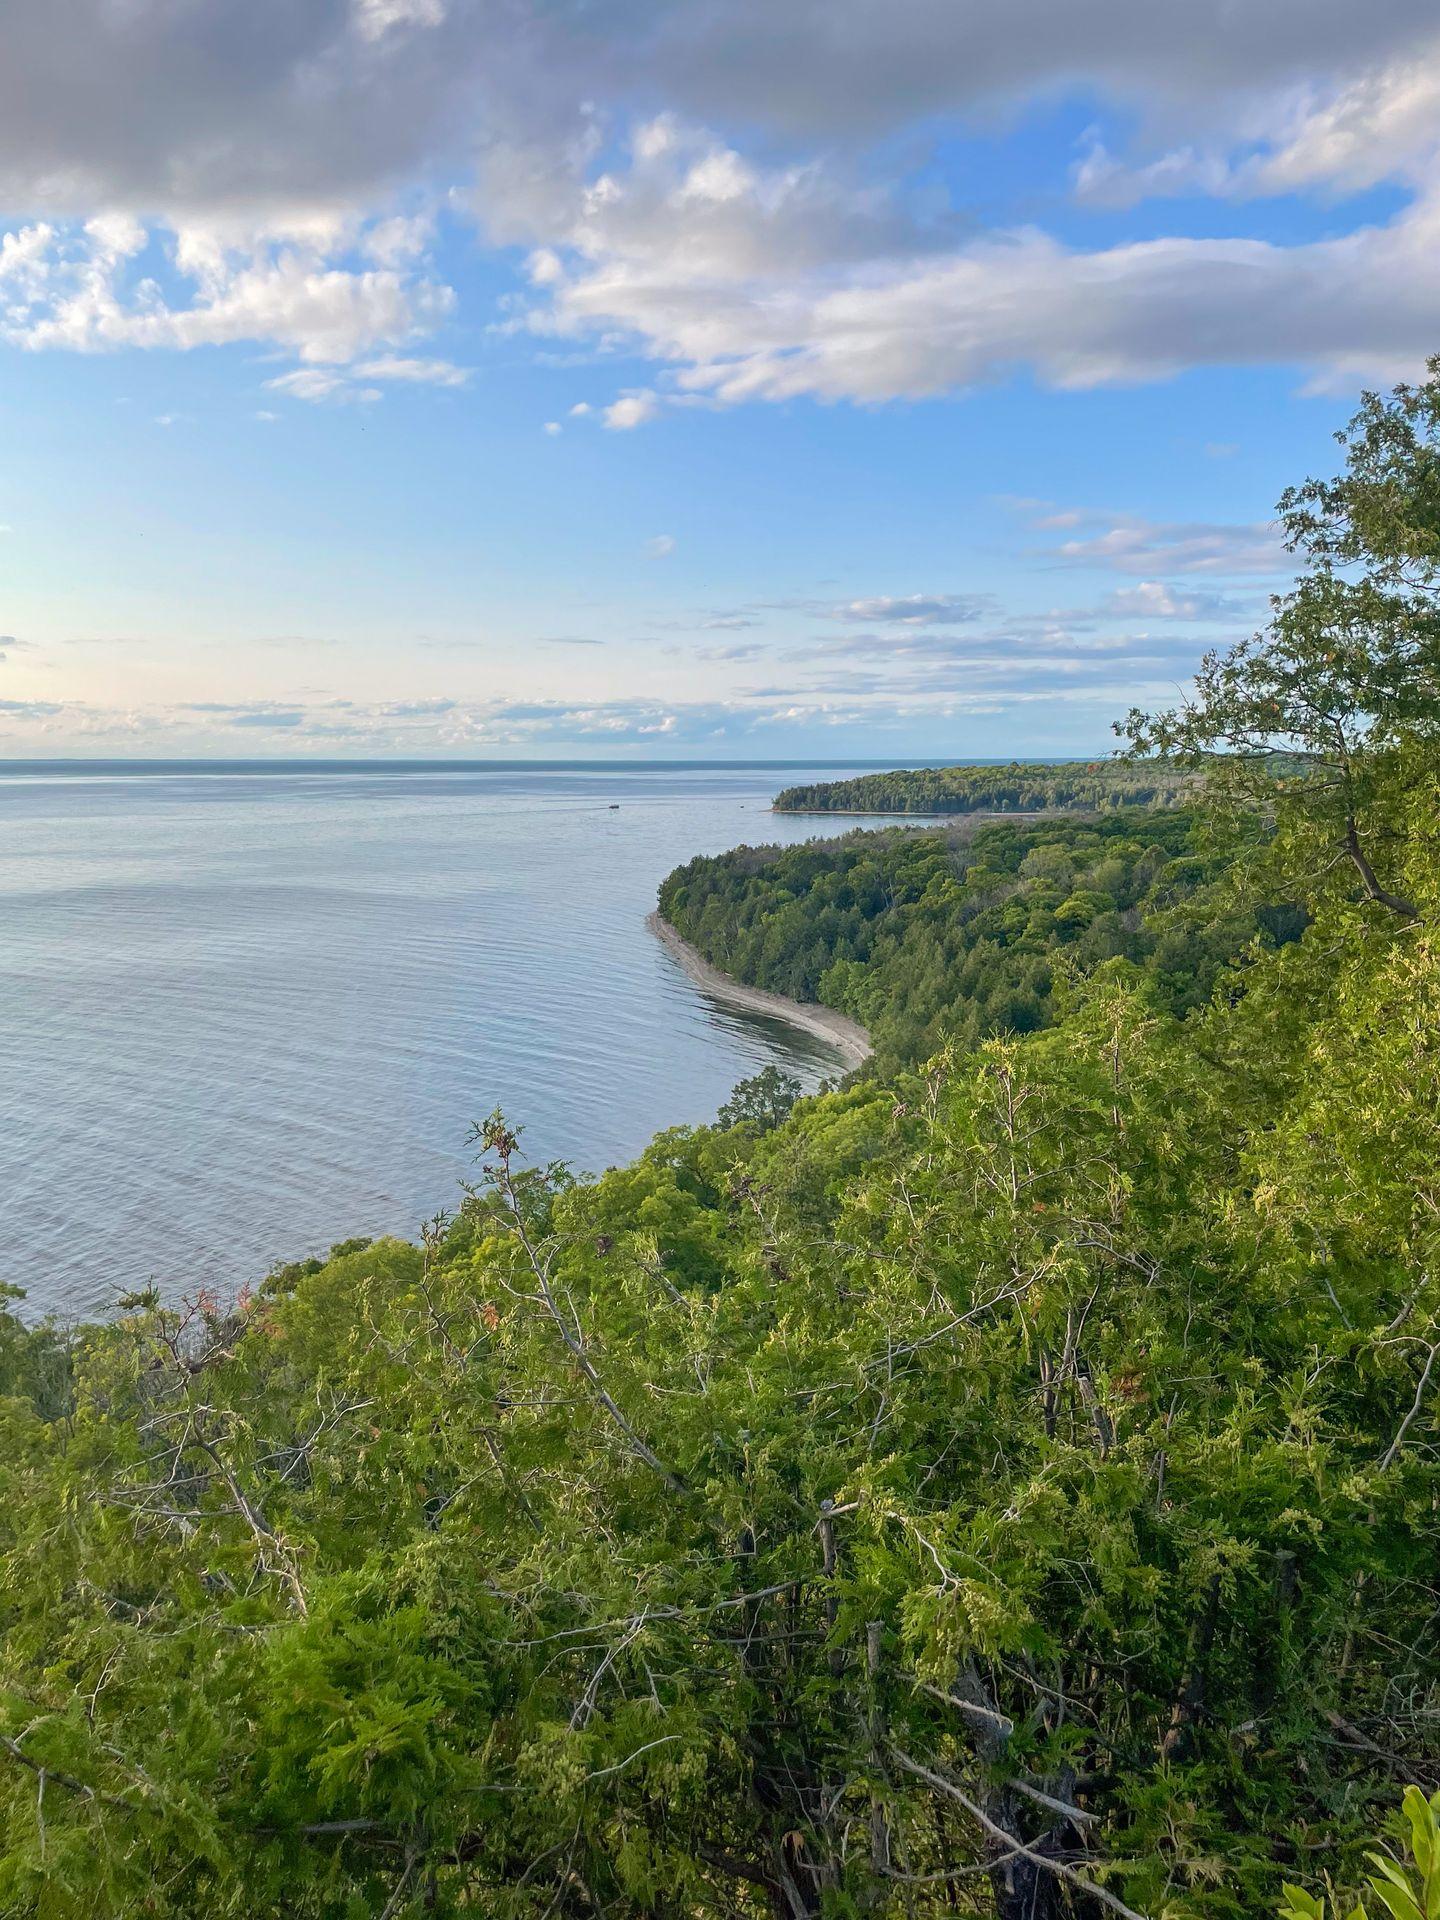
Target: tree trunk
x,y
1024,1891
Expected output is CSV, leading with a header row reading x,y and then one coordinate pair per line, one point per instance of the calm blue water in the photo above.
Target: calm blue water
x,y
244,1015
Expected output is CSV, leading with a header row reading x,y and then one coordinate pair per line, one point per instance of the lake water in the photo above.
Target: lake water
x,y
244,1015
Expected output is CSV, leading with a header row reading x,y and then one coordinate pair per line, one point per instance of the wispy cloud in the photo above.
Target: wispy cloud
x,y
425,373
917,609
1136,545
317,384
1159,600
348,384
31,709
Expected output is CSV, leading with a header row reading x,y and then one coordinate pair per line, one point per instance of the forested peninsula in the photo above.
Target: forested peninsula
x,y
1020,787
944,939
1005,1485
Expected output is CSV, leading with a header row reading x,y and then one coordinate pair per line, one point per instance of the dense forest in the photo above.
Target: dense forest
x,y
1079,786
932,940
1007,1485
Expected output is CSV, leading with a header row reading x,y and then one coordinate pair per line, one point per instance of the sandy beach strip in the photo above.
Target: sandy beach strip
x,y
849,1039
982,816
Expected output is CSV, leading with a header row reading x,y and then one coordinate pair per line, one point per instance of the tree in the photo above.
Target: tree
x,y
1330,718
763,1100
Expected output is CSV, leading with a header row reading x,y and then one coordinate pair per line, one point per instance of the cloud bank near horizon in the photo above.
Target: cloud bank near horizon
x,y
915,668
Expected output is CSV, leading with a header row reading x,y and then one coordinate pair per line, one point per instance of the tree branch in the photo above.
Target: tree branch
x,y
1405,1424
67,1780
1012,1845
1368,880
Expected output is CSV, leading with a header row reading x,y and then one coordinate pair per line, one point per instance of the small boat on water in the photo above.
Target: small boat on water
x,y
614,806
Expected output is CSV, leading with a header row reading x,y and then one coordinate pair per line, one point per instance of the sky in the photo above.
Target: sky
x,y
711,379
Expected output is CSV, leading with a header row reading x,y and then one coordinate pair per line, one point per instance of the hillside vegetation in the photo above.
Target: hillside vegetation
x,y
1006,1486
1081,786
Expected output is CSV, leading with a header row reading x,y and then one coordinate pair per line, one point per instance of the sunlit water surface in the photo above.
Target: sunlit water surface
x,y
244,1015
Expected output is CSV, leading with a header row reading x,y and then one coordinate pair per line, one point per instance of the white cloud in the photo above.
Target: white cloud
x,y
1154,600
909,328
400,238
1104,179
24,264
914,609
1384,124
632,410
1132,544
75,291
552,427
1342,134
416,709
346,383
431,373
317,384
661,547
376,18
277,151
747,284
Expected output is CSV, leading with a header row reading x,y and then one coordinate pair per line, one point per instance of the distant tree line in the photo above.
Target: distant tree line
x,y
1089,786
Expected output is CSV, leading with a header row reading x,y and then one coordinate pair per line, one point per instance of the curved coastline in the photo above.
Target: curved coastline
x,y
849,1039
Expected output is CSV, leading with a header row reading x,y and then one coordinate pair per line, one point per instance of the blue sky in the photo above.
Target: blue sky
x,y
437,377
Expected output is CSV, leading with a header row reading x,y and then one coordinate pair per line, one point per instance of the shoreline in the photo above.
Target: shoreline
x,y
849,1039
853,813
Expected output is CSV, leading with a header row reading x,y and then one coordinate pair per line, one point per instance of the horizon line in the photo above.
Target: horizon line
x,y
302,764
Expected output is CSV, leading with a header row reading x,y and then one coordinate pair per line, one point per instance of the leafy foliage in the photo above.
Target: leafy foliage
x,y
1406,1893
